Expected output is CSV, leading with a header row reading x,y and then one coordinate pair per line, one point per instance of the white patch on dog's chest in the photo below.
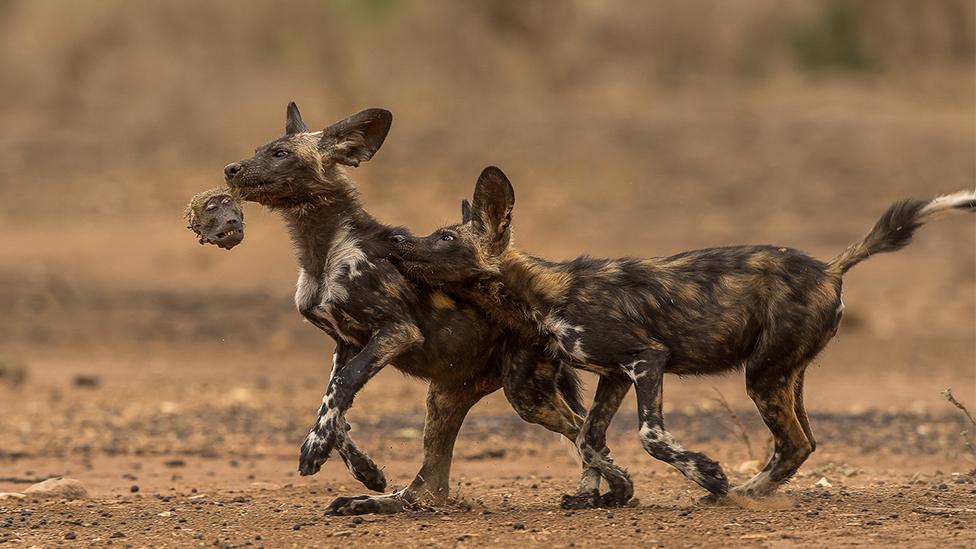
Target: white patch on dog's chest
x,y
318,295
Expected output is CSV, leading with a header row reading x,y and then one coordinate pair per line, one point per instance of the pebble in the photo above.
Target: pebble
x,y
70,535
357,520
134,488
518,526
342,533
66,488
296,527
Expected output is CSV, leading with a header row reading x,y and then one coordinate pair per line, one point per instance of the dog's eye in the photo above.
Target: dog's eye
x,y
447,237
280,153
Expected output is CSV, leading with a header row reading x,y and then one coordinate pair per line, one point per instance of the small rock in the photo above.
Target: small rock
x,y
296,527
823,483
342,533
357,520
66,488
871,523
518,526
748,467
134,488
117,535
87,381
70,535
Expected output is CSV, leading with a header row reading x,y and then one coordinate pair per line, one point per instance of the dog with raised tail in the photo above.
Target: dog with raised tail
x,y
768,309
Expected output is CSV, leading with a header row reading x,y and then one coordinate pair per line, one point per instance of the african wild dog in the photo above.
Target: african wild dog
x,y
216,217
768,308
349,289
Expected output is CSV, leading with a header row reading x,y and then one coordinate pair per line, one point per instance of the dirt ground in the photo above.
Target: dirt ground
x,y
209,439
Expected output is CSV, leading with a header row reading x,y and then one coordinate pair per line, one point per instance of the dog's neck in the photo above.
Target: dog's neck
x,y
526,291
316,225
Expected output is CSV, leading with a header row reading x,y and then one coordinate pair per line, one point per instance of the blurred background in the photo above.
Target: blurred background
x,y
628,128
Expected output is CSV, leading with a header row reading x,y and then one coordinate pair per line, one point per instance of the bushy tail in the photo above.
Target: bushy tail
x,y
895,228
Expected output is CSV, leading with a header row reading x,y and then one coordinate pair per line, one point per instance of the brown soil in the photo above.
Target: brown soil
x,y
211,445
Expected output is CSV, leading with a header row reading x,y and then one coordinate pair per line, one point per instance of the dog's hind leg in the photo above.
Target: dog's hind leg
x,y
647,373
610,393
801,412
546,393
447,406
774,392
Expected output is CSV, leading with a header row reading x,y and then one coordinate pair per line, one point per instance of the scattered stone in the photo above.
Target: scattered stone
x,y
823,483
518,526
134,488
87,381
342,533
296,527
174,463
357,520
70,535
748,467
66,488
117,535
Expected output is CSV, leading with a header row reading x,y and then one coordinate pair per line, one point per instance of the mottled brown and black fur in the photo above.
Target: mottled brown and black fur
x,y
765,308
348,288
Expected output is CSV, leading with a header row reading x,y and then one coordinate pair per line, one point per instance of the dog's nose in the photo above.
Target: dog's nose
x,y
399,239
231,170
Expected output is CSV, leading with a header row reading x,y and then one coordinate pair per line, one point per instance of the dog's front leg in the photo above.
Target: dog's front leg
x,y
386,343
362,467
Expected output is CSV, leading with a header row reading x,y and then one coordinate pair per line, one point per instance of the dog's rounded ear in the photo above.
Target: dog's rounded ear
x,y
293,120
357,138
494,200
465,211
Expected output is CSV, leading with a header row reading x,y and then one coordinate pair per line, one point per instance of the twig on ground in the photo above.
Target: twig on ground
x,y
743,434
948,394
965,434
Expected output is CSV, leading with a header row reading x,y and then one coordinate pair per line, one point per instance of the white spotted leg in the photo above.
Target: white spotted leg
x,y
647,373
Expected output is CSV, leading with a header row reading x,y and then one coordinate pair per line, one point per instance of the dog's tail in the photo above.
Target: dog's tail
x,y
895,228
569,387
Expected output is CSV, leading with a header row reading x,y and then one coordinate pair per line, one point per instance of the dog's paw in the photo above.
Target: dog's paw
x,y
364,505
315,452
708,473
581,500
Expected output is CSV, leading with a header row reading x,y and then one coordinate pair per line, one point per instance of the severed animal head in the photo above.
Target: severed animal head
x,y
216,217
